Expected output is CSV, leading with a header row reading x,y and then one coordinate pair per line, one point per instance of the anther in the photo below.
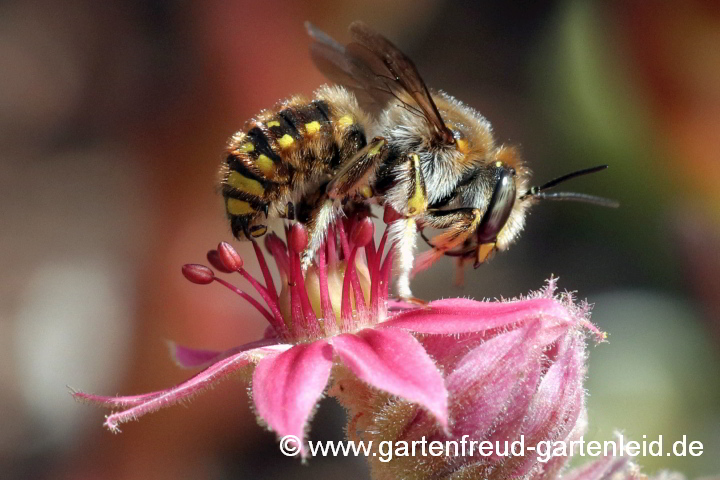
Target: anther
x,y
362,232
229,257
213,258
268,241
199,274
298,238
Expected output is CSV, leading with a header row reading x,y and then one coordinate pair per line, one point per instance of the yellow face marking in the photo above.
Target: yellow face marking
x,y
245,184
273,123
376,149
312,127
498,164
418,201
285,141
246,147
345,121
239,207
265,165
462,145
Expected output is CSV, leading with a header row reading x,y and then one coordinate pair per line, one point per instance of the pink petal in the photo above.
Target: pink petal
x,y
559,400
187,357
567,421
394,361
556,464
460,315
495,378
448,350
287,387
514,418
150,402
561,389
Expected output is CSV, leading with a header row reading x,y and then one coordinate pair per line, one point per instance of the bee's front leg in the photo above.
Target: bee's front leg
x,y
460,225
352,179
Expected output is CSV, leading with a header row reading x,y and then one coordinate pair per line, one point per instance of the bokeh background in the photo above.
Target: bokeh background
x,y
113,120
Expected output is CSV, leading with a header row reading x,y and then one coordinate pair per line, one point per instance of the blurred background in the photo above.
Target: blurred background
x,y
113,120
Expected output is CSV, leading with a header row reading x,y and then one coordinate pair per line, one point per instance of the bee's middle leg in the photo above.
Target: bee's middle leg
x,y
403,232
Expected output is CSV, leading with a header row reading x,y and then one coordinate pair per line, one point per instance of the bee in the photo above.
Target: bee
x,y
380,136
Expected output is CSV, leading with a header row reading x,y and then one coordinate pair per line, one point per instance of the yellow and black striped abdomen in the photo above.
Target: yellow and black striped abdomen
x,y
283,154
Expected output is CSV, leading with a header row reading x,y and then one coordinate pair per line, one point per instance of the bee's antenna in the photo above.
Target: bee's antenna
x,y
578,197
568,176
538,192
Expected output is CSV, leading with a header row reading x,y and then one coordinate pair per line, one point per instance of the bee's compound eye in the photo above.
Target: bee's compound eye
x,y
500,206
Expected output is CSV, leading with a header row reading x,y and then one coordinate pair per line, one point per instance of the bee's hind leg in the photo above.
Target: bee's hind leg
x,y
355,175
321,216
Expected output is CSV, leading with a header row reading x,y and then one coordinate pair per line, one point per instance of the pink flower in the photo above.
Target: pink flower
x,y
336,321
513,381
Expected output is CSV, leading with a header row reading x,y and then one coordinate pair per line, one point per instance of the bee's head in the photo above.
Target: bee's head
x,y
498,197
503,196
486,212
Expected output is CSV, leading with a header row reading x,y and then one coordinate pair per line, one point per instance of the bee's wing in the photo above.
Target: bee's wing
x,y
333,61
376,70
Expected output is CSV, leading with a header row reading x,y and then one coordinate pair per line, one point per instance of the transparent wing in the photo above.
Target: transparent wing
x,y
377,72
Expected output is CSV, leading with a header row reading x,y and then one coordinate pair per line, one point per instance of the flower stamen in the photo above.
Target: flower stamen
x,y
351,271
305,323
258,306
270,285
329,319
